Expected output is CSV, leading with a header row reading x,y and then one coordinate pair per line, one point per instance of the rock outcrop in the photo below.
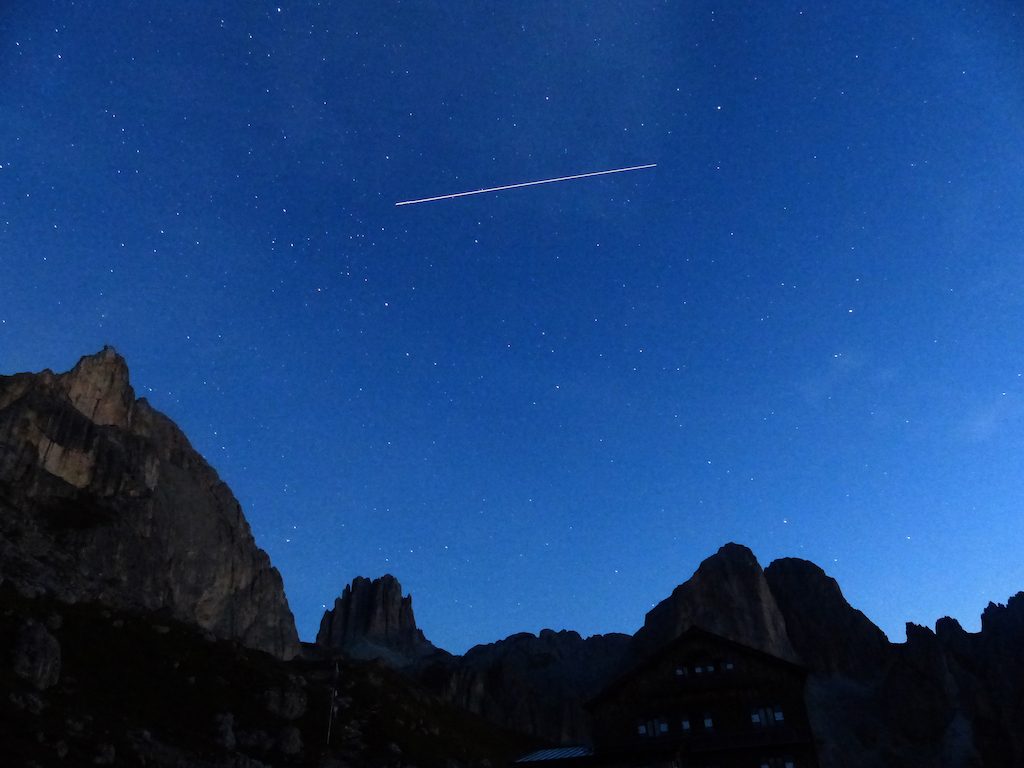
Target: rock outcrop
x,y
535,684
982,675
828,634
728,595
373,620
102,498
943,698
36,655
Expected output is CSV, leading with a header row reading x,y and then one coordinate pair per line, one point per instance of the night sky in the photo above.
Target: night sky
x,y
803,331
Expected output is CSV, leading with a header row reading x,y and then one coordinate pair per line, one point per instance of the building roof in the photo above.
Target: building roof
x,y
691,633
560,753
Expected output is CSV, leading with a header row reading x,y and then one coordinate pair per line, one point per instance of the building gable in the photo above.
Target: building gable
x,y
706,695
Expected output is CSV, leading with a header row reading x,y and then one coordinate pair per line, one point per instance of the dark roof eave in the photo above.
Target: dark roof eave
x,y
657,656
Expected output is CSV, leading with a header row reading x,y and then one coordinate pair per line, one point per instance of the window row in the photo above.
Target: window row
x,y
766,717
760,717
660,726
704,668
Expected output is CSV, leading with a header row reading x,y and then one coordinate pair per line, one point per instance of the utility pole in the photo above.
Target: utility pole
x,y
333,704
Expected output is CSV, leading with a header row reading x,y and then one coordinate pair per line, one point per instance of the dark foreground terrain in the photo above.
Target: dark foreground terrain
x,y
85,685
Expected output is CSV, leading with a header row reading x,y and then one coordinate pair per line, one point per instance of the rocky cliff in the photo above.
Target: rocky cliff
x,y
102,498
533,684
536,684
955,696
943,698
373,620
728,595
829,636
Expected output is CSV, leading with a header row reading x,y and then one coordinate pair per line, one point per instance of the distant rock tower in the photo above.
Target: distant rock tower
x,y
372,620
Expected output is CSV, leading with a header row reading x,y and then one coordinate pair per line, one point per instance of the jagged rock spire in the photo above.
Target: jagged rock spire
x,y
372,619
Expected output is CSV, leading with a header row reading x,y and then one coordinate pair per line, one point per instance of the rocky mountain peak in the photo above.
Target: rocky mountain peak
x,y
727,595
737,554
998,618
105,500
829,635
948,628
372,619
553,635
98,388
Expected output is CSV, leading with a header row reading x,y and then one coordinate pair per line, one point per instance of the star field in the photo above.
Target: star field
x,y
543,407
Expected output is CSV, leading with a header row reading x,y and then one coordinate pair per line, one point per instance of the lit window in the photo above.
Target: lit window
x,y
680,671
778,715
728,665
708,722
755,718
698,670
711,667
662,726
790,764
686,725
642,730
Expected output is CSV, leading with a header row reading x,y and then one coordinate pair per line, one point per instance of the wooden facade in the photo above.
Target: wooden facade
x,y
705,701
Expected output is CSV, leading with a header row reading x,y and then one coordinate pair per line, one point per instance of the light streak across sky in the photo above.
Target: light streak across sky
x,y
526,184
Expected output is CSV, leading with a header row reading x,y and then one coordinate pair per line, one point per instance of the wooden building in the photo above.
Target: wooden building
x,y
705,701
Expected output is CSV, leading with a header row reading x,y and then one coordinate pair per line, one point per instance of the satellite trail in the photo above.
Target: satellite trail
x,y
526,184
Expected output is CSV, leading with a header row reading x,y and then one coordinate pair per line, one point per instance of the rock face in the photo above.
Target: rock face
x,y
942,698
728,595
980,677
36,655
103,498
846,656
829,636
534,684
372,620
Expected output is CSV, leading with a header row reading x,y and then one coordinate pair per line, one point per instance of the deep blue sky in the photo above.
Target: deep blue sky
x,y
542,408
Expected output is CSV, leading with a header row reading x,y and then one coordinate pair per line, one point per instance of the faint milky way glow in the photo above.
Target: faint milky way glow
x,y
527,184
